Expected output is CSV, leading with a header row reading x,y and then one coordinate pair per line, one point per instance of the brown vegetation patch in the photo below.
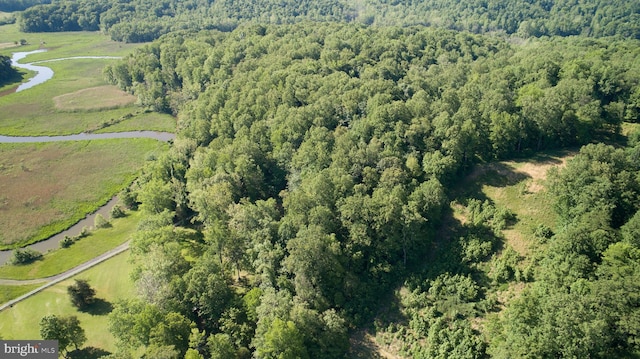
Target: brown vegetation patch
x,y
6,45
43,185
513,291
364,345
94,98
537,170
517,240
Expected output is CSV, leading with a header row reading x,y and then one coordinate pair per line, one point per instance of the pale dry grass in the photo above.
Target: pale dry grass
x,y
7,45
363,344
94,98
537,171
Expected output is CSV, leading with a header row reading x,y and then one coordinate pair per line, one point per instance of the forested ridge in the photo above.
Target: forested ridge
x,y
314,165
144,20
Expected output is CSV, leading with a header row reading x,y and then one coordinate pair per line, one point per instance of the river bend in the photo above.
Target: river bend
x,y
43,74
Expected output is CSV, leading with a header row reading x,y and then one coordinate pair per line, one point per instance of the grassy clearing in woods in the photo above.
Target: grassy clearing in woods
x,y
111,281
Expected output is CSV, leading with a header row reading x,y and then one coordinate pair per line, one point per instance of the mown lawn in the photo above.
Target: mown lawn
x,y
46,188
8,292
111,281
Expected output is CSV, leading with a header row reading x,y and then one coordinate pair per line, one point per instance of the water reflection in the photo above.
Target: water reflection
x,y
160,136
42,73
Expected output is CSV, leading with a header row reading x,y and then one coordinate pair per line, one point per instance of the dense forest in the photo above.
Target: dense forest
x,y
19,5
7,72
320,150
144,20
313,168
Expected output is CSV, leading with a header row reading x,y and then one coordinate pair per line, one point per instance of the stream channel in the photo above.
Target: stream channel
x,y
44,74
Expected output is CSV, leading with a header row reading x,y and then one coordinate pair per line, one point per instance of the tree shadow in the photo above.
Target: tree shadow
x,y
363,347
88,353
494,174
99,307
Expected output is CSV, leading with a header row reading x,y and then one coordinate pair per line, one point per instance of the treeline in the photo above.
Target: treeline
x,y
311,170
7,72
525,18
19,5
143,20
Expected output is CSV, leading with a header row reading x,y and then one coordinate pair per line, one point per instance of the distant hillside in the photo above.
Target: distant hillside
x,y
19,5
145,20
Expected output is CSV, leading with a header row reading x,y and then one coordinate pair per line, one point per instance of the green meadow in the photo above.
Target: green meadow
x,y
96,243
45,188
111,281
8,292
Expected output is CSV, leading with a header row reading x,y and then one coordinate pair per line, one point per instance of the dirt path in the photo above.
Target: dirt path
x,y
60,277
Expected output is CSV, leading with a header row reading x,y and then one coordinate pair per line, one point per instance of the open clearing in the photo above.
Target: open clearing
x,y
518,185
45,188
525,196
93,98
111,281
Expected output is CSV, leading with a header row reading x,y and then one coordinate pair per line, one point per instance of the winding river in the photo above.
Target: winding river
x,y
44,74
160,136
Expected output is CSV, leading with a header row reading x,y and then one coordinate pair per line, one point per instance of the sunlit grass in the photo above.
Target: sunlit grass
x,y
111,281
9,292
60,260
45,188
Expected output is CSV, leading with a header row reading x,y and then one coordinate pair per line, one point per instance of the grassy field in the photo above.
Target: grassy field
x,y
61,44
42,110
93,98
111,281
520,187
55,262
8,292
45,188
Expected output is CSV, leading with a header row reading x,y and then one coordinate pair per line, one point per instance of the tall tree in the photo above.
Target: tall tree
x,y
66,330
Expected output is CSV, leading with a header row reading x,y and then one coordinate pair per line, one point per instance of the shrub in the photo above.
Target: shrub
x,y
101,222
25,256
117,211
81,293
129,199
83,233
543,231
66,242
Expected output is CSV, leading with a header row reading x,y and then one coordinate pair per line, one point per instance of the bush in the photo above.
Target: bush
x,y
117,211
25,256
543,232
101,222
129,199
66,242
83,233
81,293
